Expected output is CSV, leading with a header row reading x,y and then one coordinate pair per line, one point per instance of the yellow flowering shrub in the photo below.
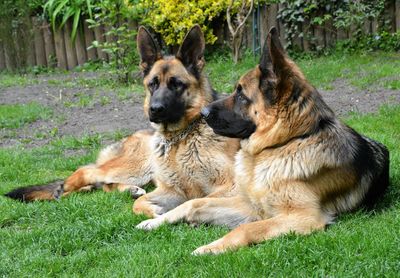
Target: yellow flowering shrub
x,y
173,18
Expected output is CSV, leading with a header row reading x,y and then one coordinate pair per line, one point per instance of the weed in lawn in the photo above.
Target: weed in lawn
x,y
104,100
17,115
84,100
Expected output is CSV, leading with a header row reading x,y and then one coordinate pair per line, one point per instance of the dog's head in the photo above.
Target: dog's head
x,y
175,88
268,104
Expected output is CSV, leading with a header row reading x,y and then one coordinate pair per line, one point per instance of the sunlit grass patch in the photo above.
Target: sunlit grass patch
x,y
17,115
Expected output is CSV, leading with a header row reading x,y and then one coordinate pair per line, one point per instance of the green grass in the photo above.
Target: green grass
x,y
17,115
361,70
9,80
93,234
224,74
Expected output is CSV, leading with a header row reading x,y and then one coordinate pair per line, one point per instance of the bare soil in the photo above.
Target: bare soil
x,y
126,115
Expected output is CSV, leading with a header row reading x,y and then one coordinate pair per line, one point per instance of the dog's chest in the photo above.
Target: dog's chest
x,y
192,167
260,180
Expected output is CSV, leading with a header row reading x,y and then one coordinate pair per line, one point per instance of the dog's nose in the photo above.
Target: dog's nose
x,y
157,108
205,112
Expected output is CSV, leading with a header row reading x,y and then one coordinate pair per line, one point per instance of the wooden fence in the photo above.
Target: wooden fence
x,y
44,47
318,36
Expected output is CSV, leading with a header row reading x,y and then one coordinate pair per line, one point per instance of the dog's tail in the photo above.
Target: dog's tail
x,y
50,191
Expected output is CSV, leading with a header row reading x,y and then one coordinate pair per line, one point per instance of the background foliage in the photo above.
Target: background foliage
x,y
120,17
171,19
344,14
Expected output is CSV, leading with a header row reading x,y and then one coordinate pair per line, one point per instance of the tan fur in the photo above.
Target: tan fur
x,y
295,172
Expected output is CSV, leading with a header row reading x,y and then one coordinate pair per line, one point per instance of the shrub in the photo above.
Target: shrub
x,y
172,19
383,40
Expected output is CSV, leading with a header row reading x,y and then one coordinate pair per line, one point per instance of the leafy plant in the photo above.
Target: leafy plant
x,y
384,41
60,11
118,16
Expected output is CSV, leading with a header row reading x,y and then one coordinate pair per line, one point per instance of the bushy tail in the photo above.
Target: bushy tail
x,y
51,191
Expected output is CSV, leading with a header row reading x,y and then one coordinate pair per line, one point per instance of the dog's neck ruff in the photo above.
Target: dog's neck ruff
x,y
164,145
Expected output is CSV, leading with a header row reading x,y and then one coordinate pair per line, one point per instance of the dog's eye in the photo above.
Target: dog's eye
x,y
240,96
153,84
243,100
175,83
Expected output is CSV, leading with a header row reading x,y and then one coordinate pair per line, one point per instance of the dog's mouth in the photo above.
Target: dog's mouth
x,y
242,133
156,120
227,123
167,118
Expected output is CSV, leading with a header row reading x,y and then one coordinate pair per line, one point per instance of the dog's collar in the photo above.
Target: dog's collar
x,y
164,144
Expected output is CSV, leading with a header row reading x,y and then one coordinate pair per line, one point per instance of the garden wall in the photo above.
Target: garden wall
x,y
44,47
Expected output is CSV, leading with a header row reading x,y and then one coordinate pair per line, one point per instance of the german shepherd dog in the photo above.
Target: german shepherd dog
x,y
298,166
183,156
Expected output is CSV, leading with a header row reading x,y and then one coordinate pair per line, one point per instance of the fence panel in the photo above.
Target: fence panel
x,y
38,39
80,47
89,38
49,44
60,49
2,57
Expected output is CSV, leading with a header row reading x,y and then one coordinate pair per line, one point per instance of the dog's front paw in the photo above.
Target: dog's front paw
x,y
213,248
149,225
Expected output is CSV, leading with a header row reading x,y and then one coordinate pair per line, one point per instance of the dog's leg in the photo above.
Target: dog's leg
x,y
229,212
126,162
256,232
157,202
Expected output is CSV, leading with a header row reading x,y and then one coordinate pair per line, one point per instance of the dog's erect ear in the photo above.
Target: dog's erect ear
x,y
273,58
191,52
148,50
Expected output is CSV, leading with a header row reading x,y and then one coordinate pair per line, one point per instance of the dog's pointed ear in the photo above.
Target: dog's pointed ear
x,y
273,58
148,50
191,52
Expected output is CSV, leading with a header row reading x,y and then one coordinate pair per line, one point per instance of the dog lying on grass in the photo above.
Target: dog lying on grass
x,y
298,166
183,157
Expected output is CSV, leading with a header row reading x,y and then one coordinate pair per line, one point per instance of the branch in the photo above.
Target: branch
x,y
247,16
228,18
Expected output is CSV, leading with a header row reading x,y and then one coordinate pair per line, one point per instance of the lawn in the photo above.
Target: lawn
x,y
93,234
